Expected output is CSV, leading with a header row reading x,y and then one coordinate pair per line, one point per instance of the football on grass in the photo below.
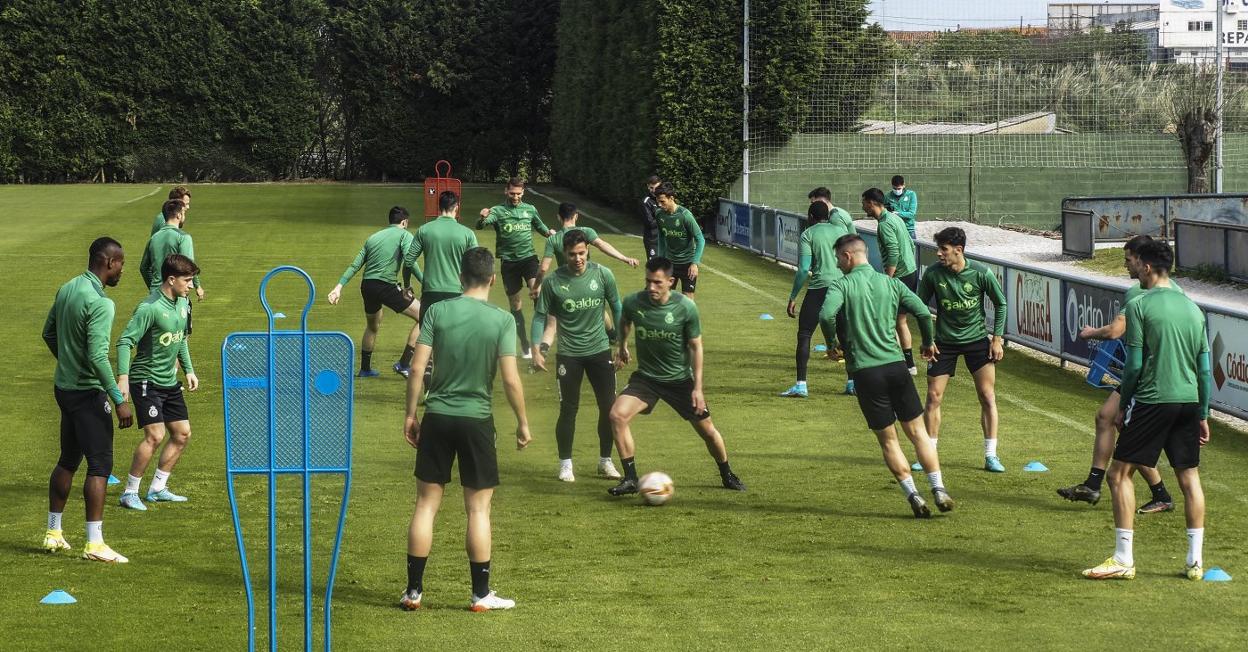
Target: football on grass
x,y
656,488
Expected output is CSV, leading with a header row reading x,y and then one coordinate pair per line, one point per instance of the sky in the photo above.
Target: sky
x,y
948,14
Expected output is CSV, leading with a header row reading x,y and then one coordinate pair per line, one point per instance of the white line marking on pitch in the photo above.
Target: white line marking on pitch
x,y
614,229
128,201
1028,406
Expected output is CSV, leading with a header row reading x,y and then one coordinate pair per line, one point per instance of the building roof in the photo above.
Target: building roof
x,y
1040,122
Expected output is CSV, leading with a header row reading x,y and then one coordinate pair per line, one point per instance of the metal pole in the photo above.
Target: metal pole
x,y
745,106
895,83
1217,132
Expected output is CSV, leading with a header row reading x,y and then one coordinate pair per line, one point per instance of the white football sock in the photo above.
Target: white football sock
x,y
158,481
132,484
54,520
603,460
801,383
990,447
1195,546
1123,540
933,479
95,531
907,486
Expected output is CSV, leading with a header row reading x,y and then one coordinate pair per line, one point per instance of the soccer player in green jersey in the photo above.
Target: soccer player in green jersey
x,y
77,331
469,339
442,242
886,393
904,203
836,215
180,193
572,300
514,223
1165,399
568,215
669,368
960,287
381,257
1089,491
157,330
897,250
170,239
680,239
816,259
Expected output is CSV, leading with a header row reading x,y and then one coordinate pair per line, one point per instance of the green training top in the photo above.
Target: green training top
x,y
906,206
871,301
959,302
819,242
381,256
896,247
554,244
1171,330
662,335
158,329
515,227
1135,291
443,243
841,216
158,223
577,302
680,237
467,336
168,240
77,331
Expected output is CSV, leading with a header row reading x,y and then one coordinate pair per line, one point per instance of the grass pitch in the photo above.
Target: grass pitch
x,y
821,552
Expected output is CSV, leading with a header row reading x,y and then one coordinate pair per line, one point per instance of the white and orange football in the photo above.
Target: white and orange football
x,y
656,488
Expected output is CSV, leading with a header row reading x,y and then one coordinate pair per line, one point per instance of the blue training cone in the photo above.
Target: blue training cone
x,y
821,347
112,479
1216,574
58,597
765,317
1035,467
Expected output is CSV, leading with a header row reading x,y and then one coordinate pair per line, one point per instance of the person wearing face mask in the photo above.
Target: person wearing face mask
x,y
904,203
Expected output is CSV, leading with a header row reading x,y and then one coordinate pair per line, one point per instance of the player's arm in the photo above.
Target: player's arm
x,y
354,267
541,309
49,331
611,251
488,218
1111,331
699,244
832,304
416,388
917,307
908,207
99,327
188,250
549,327
890,249
145,266
540,226
548,255
799,277
697,397
511,382
135,329
612,292
1134,363
997,296
661,244
412,250
623,329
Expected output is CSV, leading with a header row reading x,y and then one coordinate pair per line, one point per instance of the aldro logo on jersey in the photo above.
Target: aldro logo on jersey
x,y
572,305
513,227
651,334
171,338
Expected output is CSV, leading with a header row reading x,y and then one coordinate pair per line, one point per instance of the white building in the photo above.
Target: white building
x,y
1186,29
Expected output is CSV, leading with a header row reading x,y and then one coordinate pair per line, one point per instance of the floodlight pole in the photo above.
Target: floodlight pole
x,y
1217,130
745,106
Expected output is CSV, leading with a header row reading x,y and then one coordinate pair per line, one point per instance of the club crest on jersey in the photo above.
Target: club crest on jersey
x,y
182,311
668,318
152,411
967,287
593,285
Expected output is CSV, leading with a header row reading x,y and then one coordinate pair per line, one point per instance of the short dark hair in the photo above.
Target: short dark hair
x,y
447,201
171,208
179,192
952,236
659,264
817,212
102,249
847,240
398,214
178,265
515,182
567,210
874,194
820,193
665,188
898,180
573,238
652,179
476,267
1133,245
1156,254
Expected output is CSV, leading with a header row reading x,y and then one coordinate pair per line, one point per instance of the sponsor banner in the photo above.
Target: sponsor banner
x,y
741,226
723,222
1086,305
1228,337
1035,312
790,236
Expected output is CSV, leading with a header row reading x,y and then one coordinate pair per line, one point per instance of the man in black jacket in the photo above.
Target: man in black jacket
x,y
649,223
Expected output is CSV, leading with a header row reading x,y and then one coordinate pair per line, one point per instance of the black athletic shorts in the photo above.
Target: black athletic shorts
x,y
516,273
911,280
380,293
886,394
976,355
427,299
681,271
443,438
155,404
1153,427
679,395
86,430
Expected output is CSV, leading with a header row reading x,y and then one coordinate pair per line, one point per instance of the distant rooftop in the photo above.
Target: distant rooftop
x,y
1041,122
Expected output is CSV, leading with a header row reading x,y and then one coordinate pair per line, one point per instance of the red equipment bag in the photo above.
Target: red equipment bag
x,y
435,185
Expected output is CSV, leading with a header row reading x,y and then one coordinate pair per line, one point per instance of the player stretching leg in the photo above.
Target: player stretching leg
x,y
1089,491
818,260
514,223
885,390
669,368
77,332
680,239
381,256
1166,399
960,287
897,250
469,339
571,304
157,330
